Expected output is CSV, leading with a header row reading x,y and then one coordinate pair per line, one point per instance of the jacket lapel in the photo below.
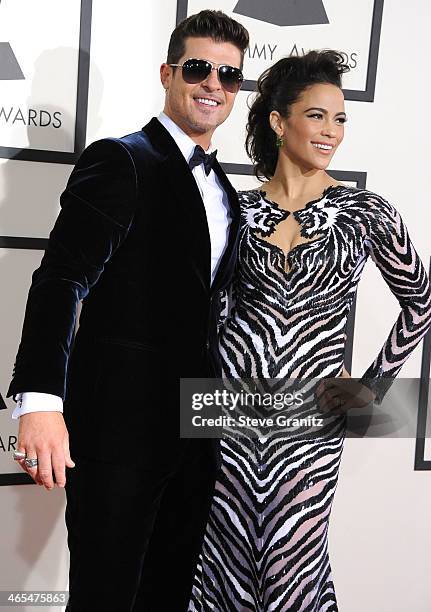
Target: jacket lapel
x,y
177,179
228,260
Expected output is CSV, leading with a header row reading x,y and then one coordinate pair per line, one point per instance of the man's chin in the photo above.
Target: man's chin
x,y
204,123
203,127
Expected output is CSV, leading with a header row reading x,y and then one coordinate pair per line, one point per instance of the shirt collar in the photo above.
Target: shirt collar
x,y
185,144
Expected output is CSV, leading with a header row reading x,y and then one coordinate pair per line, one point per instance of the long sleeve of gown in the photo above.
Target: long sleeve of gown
x,y
392,251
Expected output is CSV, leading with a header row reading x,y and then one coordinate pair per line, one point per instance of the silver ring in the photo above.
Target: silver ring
x,y
18,455
30,463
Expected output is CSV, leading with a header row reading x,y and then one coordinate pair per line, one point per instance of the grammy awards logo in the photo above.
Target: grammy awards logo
x,y
284,12
10,69
43,118
280,28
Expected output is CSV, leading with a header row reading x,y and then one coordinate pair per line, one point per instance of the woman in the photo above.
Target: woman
x,y
304,241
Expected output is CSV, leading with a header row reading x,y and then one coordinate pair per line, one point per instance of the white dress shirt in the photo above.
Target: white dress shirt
x,y
217,210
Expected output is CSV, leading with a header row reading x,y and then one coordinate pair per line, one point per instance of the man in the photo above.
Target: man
x,y
147,238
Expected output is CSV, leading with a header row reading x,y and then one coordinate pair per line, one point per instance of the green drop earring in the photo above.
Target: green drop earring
x,y
279,142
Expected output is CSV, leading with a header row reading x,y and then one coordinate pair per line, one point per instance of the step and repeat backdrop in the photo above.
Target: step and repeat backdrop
x,y
79,70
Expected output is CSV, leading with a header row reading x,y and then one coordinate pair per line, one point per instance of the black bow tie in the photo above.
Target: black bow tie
x,y
200,157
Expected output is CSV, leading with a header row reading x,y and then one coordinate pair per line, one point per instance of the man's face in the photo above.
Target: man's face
x,y
199,109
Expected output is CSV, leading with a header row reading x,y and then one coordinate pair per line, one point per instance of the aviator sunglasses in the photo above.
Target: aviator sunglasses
x,y
197,70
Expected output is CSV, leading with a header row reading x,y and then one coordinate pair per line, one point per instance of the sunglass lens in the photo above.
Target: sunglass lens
x,y
195,70
231,78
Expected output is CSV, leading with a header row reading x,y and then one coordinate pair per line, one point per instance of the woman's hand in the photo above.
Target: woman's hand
x,y
338,395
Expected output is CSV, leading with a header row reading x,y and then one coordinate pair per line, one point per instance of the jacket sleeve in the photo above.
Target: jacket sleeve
x,y
392,251
97,209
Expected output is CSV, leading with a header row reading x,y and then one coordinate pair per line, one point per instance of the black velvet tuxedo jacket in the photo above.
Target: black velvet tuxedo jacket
x,y
132,242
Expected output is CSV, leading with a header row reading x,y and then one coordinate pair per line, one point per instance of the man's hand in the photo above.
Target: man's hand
x,y
43,435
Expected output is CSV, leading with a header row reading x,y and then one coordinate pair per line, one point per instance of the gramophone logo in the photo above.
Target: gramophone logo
x,y
44,79
9,68
280,28
284,12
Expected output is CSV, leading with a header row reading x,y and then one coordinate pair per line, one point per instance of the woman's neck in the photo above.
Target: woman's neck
x,y
290,182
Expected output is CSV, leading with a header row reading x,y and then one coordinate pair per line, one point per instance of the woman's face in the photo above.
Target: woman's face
x,y
314,128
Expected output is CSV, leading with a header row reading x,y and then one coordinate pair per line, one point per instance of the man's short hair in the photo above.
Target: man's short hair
x,y
207,24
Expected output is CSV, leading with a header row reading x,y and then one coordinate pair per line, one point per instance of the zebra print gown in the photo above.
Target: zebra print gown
x,y
265,547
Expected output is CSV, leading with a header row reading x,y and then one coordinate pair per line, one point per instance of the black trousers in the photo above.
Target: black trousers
x,y
135,530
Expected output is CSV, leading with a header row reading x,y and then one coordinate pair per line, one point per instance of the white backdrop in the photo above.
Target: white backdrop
x,y
380,533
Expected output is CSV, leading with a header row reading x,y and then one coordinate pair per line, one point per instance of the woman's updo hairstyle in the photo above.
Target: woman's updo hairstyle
x,y
278,88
